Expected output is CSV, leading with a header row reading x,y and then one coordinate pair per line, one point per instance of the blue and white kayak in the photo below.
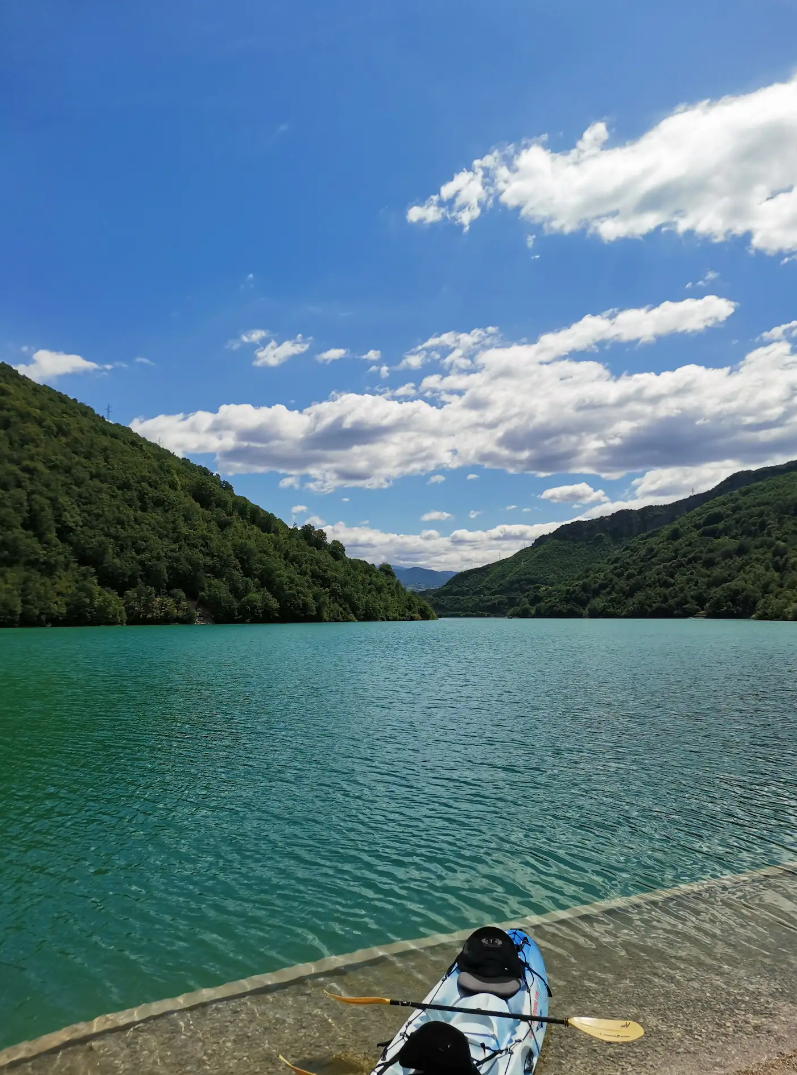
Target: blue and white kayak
x,y
497,971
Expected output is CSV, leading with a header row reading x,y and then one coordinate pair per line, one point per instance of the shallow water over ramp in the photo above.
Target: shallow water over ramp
x,y
710,971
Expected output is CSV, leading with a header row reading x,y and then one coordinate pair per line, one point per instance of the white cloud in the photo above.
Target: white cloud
x,y
345,499
435,516
672,483
510,507
456,552
405,391
274,354
705,280
372,356
452,349
45,366
474,514
298,509
436,479
292,481
574,494
716,168
540,408
254,335
332,355
314,520
144,361
780,332
383,371
472,477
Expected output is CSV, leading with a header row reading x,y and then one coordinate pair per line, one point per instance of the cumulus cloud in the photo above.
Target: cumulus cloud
x,y
472,477
716,169
474,514
298,509
405,391
372,356
254,335
143,361
549,407
383,371
46,366
274,354
332,355
436,479
314,520
455,552
452,349
435,516
582,493
780,332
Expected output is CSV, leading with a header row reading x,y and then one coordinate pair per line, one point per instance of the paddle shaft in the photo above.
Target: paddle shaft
x,y
476,1011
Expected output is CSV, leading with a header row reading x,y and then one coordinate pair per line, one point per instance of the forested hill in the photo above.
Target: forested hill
x,y
99,526
577,551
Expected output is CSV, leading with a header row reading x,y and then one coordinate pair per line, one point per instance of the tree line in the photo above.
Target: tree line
x,y
100,526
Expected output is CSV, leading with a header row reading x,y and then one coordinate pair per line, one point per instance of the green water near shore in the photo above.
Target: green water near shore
x,y
185,806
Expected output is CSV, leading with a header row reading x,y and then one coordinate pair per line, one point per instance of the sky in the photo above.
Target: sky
x,y
437,276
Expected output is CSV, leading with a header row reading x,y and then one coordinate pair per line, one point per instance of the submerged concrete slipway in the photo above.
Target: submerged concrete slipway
x,y
709,968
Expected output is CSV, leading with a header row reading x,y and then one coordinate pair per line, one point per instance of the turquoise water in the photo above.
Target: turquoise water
x,y
182,806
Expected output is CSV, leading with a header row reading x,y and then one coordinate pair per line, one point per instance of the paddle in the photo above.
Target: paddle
x,y
614,1030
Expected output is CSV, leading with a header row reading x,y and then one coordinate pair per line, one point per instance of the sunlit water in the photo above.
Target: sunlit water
x,y
182,806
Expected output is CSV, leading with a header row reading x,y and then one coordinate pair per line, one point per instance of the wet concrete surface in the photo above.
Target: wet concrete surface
x,y
712,976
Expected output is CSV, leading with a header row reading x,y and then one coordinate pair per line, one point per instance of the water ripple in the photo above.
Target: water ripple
x,y
186,806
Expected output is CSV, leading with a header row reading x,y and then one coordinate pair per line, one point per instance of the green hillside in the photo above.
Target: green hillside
x,y
574,551
735,557
99,526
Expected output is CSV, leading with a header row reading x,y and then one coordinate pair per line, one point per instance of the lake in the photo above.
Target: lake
x,y
182,806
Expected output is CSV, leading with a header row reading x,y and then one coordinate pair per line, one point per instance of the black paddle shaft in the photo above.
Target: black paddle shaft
x,y
477,1011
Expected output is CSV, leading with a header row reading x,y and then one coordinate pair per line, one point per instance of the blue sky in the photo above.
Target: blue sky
x,y
178,176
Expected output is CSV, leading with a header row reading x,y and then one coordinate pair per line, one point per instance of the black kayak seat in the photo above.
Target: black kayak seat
x,y
499,987
437,1048
489,963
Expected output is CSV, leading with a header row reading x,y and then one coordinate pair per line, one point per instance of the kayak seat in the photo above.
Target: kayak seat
x,y
437,1048
489,963
499,987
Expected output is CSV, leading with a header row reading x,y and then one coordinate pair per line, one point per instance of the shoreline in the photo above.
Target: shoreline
x,y
417,958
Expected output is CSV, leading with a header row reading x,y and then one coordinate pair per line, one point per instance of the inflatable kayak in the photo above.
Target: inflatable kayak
x,y
495,972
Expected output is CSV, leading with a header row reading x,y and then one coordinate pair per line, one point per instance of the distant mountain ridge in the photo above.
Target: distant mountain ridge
x,y
100,526
575,550
421,578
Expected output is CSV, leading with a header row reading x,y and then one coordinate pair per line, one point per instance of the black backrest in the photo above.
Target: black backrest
x,y
437,1048
490,953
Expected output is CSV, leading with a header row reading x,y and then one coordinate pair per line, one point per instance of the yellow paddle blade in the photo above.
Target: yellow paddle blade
x,y
358,1000
617,1030
293,1067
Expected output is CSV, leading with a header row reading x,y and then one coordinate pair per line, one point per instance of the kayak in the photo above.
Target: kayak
x,y
496,971
486,1016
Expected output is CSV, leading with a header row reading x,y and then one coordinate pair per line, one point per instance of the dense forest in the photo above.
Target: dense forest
x,y
729,552
99,526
